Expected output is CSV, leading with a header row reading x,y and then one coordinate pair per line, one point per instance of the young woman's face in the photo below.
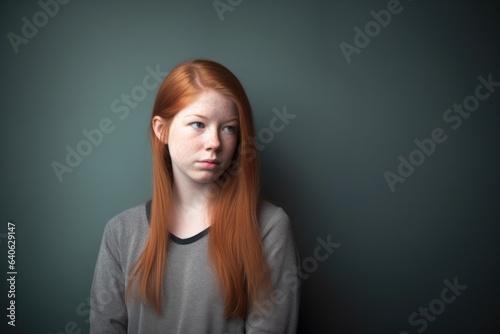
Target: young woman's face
x,y
202,138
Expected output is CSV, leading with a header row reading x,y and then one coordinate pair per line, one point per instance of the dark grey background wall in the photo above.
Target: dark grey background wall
x,y
357,105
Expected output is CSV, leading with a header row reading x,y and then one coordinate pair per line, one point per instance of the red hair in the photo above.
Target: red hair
x,y
234,245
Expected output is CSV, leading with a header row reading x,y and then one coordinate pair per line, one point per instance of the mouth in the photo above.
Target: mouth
x,y
209,163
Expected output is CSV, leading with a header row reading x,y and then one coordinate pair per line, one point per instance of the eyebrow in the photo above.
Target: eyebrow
x,y
205,117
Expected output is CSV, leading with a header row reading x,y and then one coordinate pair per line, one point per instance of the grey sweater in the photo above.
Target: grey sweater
x,y
193,301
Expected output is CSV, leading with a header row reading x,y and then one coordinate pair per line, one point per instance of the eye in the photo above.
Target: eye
x,y
197,125
229,128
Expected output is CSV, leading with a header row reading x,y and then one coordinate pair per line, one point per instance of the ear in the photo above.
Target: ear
x,y
160,126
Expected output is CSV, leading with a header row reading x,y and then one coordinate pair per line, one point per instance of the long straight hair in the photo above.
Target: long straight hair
x,y
234,246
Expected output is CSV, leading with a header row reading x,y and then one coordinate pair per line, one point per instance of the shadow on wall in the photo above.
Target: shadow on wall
x,y
489,323
322,309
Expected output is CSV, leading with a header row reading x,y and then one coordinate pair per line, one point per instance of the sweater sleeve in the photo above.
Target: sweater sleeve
x,y
278,311
108,312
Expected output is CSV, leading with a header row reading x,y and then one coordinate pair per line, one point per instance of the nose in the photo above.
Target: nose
x,y
212,140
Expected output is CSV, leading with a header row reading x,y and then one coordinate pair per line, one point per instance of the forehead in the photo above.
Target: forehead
x,y
210,104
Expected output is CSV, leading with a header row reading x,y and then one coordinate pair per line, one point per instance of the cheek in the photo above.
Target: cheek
x,y
180,138
231,144
179,147
183,149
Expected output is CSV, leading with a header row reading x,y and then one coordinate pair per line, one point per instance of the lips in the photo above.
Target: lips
x,y
211,161
209,164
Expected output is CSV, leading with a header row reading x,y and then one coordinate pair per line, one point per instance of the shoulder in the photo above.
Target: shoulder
x,y
127,223
273,220
278,242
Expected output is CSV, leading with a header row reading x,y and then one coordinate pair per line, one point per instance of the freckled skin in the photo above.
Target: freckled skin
x,y
205,129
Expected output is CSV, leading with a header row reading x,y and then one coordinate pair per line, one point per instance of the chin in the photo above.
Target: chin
x,y
207,178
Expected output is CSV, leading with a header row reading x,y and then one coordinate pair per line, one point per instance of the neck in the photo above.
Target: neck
x,y
191,197
191,214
